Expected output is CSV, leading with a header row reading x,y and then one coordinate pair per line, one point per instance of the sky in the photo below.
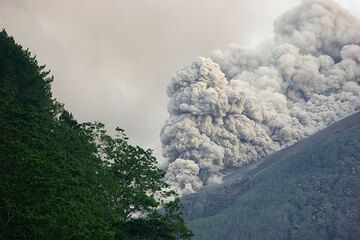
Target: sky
x,y
112,60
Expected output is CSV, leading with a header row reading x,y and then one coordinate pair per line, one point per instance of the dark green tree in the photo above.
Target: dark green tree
x,y
50,178
63,180
144,207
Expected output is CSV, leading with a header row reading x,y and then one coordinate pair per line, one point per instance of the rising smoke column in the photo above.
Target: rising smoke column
x,y
243,104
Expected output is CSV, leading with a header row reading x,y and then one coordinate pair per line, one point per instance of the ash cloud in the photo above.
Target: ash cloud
x,y
243,104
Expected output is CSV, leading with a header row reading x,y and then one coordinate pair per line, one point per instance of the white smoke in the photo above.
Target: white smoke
x,y
243,104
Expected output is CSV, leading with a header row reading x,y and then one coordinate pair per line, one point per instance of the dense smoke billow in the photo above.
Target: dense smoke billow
x,y
242,104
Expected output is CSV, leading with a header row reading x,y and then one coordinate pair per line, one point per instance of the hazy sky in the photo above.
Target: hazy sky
x,y
113,59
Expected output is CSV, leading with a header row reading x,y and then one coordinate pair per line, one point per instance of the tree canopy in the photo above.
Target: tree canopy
x,y
60,179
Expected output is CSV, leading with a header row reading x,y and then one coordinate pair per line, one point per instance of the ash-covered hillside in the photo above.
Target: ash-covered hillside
x,y
310,190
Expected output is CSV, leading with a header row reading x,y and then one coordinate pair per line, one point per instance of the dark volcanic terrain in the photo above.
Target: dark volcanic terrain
x,y
300,183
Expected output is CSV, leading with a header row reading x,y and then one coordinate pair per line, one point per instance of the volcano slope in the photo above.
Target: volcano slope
x,y
310,190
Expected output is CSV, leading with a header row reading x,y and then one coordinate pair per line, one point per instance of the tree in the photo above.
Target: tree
x,y
49,177
144,207
63,180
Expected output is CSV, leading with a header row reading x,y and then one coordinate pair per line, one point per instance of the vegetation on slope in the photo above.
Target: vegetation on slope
x,y
314,194
63,180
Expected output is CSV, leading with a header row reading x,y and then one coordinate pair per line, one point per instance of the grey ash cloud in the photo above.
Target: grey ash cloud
x,y
242,104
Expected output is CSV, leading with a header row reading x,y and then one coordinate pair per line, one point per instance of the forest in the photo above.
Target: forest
x,y
61,179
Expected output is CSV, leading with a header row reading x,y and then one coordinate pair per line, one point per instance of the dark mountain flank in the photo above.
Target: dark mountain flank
x,y
310,190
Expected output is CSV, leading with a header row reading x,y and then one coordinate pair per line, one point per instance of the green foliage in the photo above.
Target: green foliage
x,y
47,165
64,180
141,201
312,195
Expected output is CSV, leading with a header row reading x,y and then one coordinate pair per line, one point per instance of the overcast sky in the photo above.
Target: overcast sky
x,y
113,59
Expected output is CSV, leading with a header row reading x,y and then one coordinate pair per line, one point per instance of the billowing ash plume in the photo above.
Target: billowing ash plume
x,y
243,104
